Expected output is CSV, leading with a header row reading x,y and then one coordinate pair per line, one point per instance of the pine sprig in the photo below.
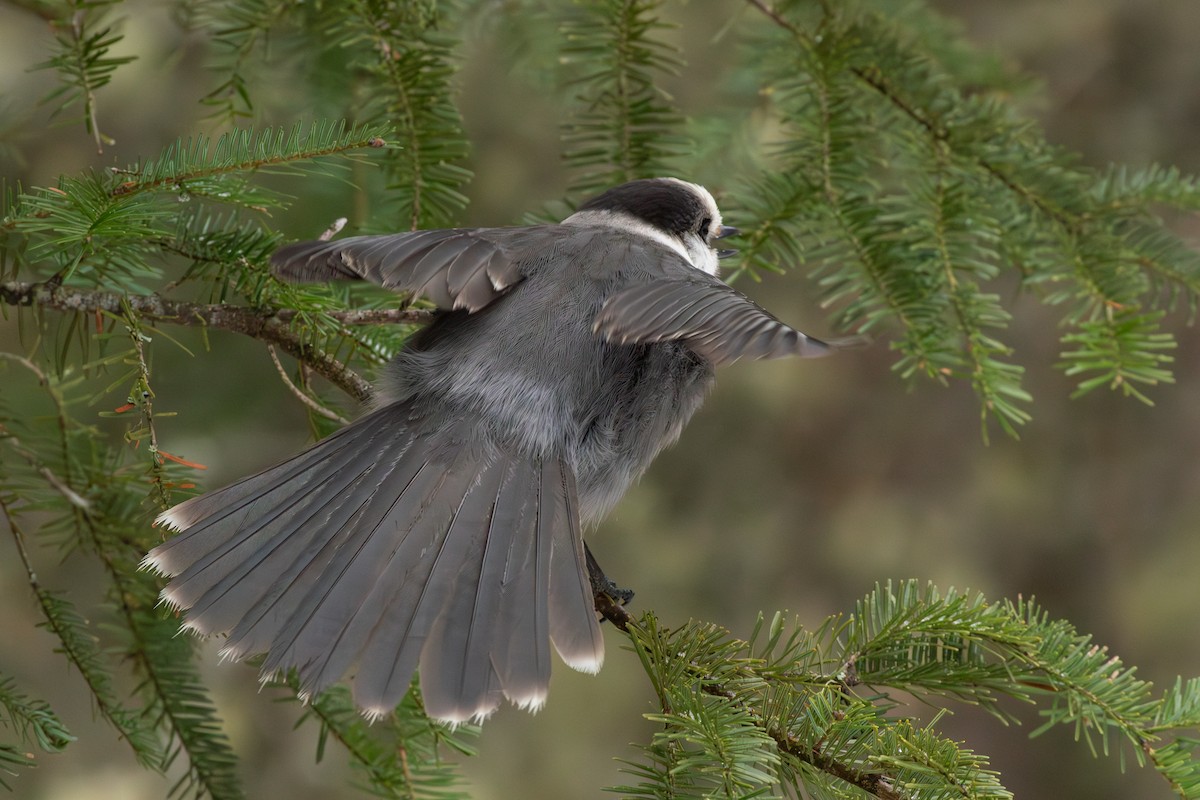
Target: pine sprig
x,y
407,56
101,516
783,710
624,125
237,29
1138,190
401,755
79,230
176,700
1090,242
103,228
1123,350
34,723
189,165
80,646
84,37
220,241
961,252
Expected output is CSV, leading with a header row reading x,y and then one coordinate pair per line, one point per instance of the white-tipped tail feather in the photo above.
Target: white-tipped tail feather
x,y
382,549
531,702
590,665
170,520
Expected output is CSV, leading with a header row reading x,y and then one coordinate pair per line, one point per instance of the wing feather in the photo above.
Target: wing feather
x,y
709,316
453,268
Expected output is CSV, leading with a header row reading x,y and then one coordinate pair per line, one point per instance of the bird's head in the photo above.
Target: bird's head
x,y
681,215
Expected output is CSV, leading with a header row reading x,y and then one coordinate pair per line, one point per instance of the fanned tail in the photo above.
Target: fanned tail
x,y
376,552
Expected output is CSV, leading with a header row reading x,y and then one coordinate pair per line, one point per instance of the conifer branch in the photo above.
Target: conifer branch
x,y
237,27
797,691
34,722
874,79
876,784
80,649
269,325
335,722
877,81
83,60
406,53
625,126
376,25
244,151
399,754
176,699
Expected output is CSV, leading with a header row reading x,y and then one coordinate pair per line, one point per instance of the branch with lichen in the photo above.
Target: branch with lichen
x,y
267,324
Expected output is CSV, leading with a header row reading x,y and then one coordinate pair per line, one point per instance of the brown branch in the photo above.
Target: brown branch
x,y
873,783
269,325
611,610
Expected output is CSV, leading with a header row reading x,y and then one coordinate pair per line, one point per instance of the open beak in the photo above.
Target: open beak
x,y
726,230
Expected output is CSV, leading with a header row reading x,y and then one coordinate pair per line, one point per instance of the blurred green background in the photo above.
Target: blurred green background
x,y
798,485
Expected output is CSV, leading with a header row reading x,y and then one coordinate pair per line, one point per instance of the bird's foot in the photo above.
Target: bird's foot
x,y
609,598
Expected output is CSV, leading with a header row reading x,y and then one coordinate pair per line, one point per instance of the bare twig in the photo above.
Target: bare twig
x,y
300,395
269,325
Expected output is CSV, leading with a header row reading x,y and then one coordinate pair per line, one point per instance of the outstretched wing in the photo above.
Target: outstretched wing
x,y
710,317
456,268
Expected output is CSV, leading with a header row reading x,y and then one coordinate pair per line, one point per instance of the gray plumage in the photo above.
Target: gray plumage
x,y
442,530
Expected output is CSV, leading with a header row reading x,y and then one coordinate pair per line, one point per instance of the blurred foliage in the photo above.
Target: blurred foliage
x,y
885,154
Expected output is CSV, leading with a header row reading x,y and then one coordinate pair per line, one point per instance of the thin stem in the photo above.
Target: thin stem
x,y
300,395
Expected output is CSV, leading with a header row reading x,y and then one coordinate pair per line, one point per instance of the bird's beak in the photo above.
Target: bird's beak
x,y
726,230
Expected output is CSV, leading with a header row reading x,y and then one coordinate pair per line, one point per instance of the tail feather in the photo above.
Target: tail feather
x,y
574,629
522,655
264,538
378,550
344,583
456,663
234,527
413,607
197,518
312,571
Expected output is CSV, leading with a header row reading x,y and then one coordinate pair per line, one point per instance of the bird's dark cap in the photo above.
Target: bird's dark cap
x,y
669,205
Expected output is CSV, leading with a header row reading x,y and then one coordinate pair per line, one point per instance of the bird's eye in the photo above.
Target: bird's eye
x,y
705,227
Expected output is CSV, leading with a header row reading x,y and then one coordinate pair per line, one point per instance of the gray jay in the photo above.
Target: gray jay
x,y
441,531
